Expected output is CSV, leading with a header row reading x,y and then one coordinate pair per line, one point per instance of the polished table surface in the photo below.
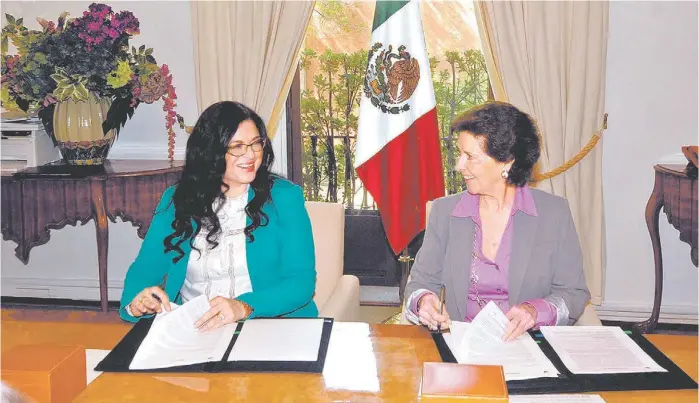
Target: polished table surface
x,y
379,363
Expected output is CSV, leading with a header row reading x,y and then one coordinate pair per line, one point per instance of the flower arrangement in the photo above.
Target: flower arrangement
x,y
80,57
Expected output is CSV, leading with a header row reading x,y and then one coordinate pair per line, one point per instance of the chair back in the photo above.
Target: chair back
x,y
328,223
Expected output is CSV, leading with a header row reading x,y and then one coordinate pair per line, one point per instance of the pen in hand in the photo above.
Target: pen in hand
x,y
442,293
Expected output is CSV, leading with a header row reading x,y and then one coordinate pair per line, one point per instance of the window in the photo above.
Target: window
x,y
332,71
330,85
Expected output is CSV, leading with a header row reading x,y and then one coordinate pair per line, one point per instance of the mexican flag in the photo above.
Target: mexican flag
x,y
398,154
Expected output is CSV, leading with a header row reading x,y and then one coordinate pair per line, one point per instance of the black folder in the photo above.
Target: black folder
x,y
567,382
119,359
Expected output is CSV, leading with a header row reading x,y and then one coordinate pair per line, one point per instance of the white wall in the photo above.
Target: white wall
x,y
169,34
652,105
66,267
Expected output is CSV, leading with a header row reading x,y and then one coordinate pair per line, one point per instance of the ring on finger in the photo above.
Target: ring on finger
x,y
221,316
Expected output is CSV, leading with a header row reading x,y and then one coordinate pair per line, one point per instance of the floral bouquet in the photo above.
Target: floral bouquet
x,y
82,58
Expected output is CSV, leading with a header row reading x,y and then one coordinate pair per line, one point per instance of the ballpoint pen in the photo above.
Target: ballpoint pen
x,y
442,294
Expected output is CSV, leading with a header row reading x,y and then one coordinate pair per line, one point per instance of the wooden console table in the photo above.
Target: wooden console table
x,y
52,196
675,191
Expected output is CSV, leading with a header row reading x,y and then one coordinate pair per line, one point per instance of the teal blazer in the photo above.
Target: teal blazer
x,y
281,259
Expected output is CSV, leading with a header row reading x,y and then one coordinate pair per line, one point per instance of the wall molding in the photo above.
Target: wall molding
x,y
68,288
619,311
88,289
146,151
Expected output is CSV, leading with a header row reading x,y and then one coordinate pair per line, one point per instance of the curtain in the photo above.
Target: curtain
x,y
247,51
549,60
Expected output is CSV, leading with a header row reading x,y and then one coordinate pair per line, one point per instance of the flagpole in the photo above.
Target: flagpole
x,y
404,260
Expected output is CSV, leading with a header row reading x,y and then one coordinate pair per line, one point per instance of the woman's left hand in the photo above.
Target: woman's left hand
x,y
223,311
522,318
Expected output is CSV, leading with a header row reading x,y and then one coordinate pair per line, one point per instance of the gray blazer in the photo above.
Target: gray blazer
x,y
545,262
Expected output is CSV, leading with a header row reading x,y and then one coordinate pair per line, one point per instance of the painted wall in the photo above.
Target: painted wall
x,y
652,105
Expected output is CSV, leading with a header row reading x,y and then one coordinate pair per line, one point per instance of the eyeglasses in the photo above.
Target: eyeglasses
x,y
240,149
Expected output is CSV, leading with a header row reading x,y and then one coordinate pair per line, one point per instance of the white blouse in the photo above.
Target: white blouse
x,y
223,270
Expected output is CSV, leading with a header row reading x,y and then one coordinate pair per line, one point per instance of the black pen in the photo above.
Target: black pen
x,y
157,298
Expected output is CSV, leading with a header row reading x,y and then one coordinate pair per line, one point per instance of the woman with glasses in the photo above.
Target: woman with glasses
x,y
229,229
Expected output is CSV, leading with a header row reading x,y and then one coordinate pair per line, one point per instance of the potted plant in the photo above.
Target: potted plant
x,y
83,80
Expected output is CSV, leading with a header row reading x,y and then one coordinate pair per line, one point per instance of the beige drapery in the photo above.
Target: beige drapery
x,y
549,59
247,51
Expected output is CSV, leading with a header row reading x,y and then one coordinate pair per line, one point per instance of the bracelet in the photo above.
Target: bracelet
x,y
248,309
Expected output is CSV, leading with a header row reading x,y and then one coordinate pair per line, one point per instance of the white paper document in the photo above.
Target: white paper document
x,y
174,341
480,342
278,340
556,399
598,350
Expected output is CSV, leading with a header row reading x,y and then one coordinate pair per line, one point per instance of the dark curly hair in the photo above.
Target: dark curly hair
x,y
202,178
509,134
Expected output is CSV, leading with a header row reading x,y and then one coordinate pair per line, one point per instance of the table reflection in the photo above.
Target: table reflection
x,y
351,363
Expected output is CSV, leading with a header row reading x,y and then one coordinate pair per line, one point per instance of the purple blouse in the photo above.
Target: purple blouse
x,y
488,278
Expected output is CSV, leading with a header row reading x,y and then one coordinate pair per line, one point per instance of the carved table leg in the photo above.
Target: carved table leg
x,y
101,225
653,207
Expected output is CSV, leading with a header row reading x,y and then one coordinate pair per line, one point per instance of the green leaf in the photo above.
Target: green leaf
x,y
40,57
46,116
149,51
22,103
133,50
141,48
20,21
10,18
151,59
4,45
81,92
62,19
63,84
60,93
118,114
57,77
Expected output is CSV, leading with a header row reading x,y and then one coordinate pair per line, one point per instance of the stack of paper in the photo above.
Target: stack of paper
x,y
174,341
598,350
480,342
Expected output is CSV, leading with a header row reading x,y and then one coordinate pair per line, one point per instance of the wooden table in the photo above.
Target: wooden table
x,y
675,191
381,363
40,199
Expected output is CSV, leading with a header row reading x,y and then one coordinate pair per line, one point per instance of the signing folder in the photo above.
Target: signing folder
x,y
654,371
169,342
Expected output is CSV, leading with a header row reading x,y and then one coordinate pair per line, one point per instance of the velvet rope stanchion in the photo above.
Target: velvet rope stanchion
x,y
579,156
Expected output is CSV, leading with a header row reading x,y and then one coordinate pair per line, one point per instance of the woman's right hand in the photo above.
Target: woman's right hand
x,y
428,313
144,303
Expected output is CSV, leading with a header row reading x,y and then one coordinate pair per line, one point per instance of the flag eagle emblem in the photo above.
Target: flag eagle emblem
x,y
391,78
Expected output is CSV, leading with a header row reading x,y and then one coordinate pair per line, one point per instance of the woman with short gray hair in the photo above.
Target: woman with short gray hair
x,y
500,240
